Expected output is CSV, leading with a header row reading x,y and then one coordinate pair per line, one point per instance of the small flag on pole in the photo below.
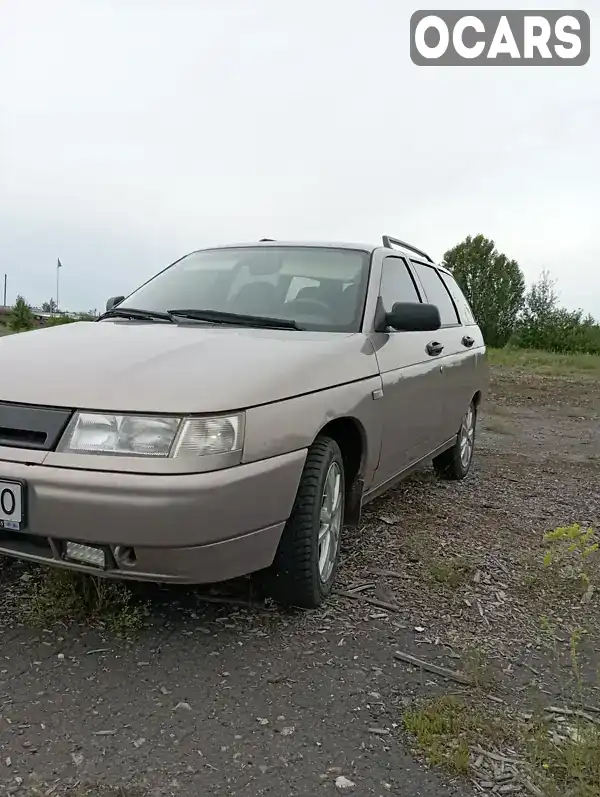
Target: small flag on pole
x,y
58,263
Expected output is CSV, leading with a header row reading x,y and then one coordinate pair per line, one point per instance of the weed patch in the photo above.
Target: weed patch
x,y
447,728
567,568
452,572
565,760
573,552
477,667
504,748
499,426
60,596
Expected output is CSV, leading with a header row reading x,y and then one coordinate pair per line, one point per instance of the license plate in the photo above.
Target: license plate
x,y
12,505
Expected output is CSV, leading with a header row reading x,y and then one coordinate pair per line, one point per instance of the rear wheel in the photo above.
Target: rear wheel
x,y
455,463
307,558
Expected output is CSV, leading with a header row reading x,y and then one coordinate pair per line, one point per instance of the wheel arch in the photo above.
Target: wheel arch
x,y
351,437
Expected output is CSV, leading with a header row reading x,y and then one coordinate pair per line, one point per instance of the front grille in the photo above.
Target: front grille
x,y
28,426
22,438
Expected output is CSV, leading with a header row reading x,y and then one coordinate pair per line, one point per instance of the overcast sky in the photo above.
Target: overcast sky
x,y
133,131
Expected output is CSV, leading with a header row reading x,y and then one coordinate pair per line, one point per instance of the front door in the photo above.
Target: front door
x,y
411,403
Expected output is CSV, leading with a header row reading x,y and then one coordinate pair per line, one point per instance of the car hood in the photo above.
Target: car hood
x,y
155,367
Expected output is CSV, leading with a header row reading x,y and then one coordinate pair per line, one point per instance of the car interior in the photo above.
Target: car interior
x,y
330,301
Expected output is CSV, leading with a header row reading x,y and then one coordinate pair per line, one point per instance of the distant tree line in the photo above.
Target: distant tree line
x,y
23,318
508,313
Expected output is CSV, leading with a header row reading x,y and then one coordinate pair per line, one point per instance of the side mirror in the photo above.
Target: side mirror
x,y
113,301
413,317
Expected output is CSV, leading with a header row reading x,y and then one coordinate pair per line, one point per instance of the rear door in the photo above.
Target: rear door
x,y
457,360
474,369
411,403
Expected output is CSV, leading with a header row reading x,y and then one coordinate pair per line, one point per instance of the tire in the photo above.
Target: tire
x,y
452,464
296,577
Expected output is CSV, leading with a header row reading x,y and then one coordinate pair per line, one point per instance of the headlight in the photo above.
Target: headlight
x,y
199,436
151,436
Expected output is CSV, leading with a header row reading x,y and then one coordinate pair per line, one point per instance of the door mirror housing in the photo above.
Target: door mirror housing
x,y
113,302
413,317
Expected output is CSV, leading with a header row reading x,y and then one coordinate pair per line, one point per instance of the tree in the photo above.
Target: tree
x,y
493,285
21,318
540,301
50,306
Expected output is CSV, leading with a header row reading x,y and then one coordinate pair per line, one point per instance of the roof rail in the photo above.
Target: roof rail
x,y
388,241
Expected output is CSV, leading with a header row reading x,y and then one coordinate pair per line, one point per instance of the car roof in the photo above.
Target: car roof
x,y
330,245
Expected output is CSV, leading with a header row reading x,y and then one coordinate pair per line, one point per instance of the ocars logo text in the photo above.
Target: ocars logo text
x,y
500,38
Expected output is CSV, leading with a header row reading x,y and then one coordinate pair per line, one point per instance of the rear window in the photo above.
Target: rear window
x,y
437,293
460,300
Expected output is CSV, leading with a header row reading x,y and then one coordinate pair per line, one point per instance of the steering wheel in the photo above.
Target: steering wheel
x,y
315,303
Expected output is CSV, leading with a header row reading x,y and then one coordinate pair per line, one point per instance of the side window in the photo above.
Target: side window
x,y
397,284
464,308
437,293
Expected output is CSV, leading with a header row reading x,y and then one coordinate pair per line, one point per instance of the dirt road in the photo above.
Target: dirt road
x,y
210,699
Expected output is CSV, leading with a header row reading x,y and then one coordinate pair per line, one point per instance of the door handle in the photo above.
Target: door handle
x,y
434,348
467,341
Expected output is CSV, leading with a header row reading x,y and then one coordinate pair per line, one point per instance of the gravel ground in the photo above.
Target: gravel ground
x,y
212,698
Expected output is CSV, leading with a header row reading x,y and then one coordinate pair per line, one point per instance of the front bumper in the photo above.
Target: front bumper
x,y
195,528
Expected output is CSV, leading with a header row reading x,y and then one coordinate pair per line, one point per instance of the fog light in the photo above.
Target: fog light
x,y
125,555
86,554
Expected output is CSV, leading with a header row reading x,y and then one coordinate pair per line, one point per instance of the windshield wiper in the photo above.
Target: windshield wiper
x,y
237,319
131,312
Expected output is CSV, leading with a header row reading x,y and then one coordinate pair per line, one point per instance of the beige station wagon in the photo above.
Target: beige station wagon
x,y
232,414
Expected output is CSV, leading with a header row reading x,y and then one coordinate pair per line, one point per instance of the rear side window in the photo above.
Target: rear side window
x,y
437,293
460,300
397,284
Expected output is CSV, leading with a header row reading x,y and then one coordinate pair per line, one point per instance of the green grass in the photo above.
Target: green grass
x,y
545,362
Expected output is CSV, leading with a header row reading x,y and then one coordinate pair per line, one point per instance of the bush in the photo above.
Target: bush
x,y
543,325
563,332
57,320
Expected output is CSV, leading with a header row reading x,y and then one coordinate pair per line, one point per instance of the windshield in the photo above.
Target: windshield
x,y
320,288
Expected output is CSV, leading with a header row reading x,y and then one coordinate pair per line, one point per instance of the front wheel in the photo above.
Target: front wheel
x,y
307,558
455,463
